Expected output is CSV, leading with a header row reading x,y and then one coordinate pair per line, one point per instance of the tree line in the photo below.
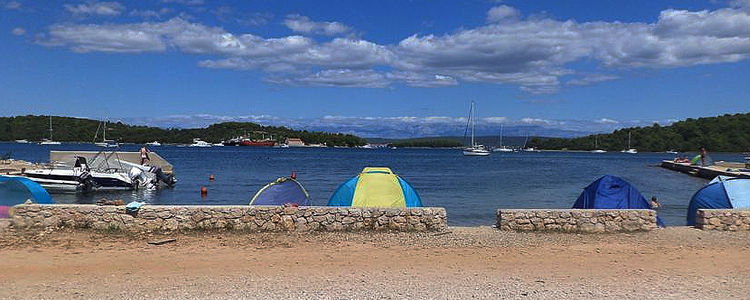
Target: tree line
x,y
726,133
68,129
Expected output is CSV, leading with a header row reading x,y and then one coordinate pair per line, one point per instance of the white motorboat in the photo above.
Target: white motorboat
x,y
598,151
218,145
200,144
112,174
475,149
629,150
154,144
24,141
502,148
49,141
672,152
531,149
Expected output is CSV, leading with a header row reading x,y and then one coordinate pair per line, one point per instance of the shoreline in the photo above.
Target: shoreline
x,y
463,262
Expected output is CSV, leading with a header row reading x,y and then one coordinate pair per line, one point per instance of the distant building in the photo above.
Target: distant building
x,y
295,142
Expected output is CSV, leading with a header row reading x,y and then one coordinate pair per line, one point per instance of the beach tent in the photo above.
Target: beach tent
x,y
282,191
375,187
16,190
721,192
612,192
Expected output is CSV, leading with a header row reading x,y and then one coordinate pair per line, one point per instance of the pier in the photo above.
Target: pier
x,y
731,169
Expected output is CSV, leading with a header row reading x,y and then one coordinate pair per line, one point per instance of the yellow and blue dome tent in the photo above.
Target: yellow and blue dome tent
x,y
375,187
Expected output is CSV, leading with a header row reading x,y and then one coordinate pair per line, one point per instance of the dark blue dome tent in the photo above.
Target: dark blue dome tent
x,y
612,192
16,190
284,190
721,193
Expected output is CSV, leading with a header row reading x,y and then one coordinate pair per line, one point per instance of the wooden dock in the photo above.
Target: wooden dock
x,y
708,172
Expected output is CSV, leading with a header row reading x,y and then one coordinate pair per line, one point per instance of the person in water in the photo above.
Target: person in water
x,y
144,155
655,202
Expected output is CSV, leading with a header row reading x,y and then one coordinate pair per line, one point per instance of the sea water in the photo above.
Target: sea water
x,y
470,188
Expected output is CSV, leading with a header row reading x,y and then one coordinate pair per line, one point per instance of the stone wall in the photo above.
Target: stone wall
x,y
576,220
723,219
155,218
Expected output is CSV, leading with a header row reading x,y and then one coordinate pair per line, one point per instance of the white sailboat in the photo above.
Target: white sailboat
x,y
105,143
596,146
502,148
629,150
49,141
475,149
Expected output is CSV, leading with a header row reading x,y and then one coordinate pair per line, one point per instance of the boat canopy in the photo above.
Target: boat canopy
x,y
722,192
282,191
612,192
16,190
375,187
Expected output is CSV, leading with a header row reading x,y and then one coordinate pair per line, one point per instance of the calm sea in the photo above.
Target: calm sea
x,y
470,188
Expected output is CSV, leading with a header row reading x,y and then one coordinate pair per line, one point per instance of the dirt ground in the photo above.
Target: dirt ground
x,y
478,262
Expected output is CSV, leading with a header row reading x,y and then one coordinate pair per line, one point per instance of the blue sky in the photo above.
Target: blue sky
x,y
378,68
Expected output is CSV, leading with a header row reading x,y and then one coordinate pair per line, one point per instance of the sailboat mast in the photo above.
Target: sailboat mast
x,y
501,135
50,127
473,122
629,140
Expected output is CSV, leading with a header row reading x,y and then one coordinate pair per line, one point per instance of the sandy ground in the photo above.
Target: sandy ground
x,y
477,262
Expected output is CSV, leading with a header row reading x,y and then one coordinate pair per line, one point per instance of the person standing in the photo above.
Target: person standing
x,y
703,154
144,155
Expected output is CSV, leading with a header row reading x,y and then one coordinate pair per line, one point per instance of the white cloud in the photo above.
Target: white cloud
x,y
502,13
18,31
606,121
185,2
150,14
95,8
531,53
303,24
591,79
12,5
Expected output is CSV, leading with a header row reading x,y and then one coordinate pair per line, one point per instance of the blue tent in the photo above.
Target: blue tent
x,y
282,191
722,192
16,190
611,192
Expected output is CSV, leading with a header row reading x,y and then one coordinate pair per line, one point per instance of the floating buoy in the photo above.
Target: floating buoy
x,y
211,177
204,191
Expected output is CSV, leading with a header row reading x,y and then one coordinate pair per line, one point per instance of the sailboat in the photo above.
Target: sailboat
x,y
596,146
49,141
502,148
629,150
475,149
529,149
105,142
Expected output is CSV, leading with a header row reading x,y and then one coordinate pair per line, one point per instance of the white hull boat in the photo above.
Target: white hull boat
x,y
475,149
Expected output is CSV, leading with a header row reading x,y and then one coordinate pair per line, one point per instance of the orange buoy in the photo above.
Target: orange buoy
x,y
211,177
204,191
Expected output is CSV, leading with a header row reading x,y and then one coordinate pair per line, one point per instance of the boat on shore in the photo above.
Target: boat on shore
x,y
475,149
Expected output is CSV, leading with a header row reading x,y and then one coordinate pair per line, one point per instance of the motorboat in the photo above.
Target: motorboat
x,y
598,151
24,141
198,143
218,144
531,149
672,152
153,144
111,174
475,149
49,141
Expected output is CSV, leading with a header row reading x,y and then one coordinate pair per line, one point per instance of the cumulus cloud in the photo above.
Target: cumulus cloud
x,y
18,31
591,79
13,5
303,24
95,8
501,13
535,54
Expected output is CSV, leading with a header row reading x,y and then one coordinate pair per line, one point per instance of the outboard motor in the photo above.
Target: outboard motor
x,y
88,181
163,177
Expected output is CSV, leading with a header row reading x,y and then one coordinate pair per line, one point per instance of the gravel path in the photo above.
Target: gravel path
x,y
477,262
